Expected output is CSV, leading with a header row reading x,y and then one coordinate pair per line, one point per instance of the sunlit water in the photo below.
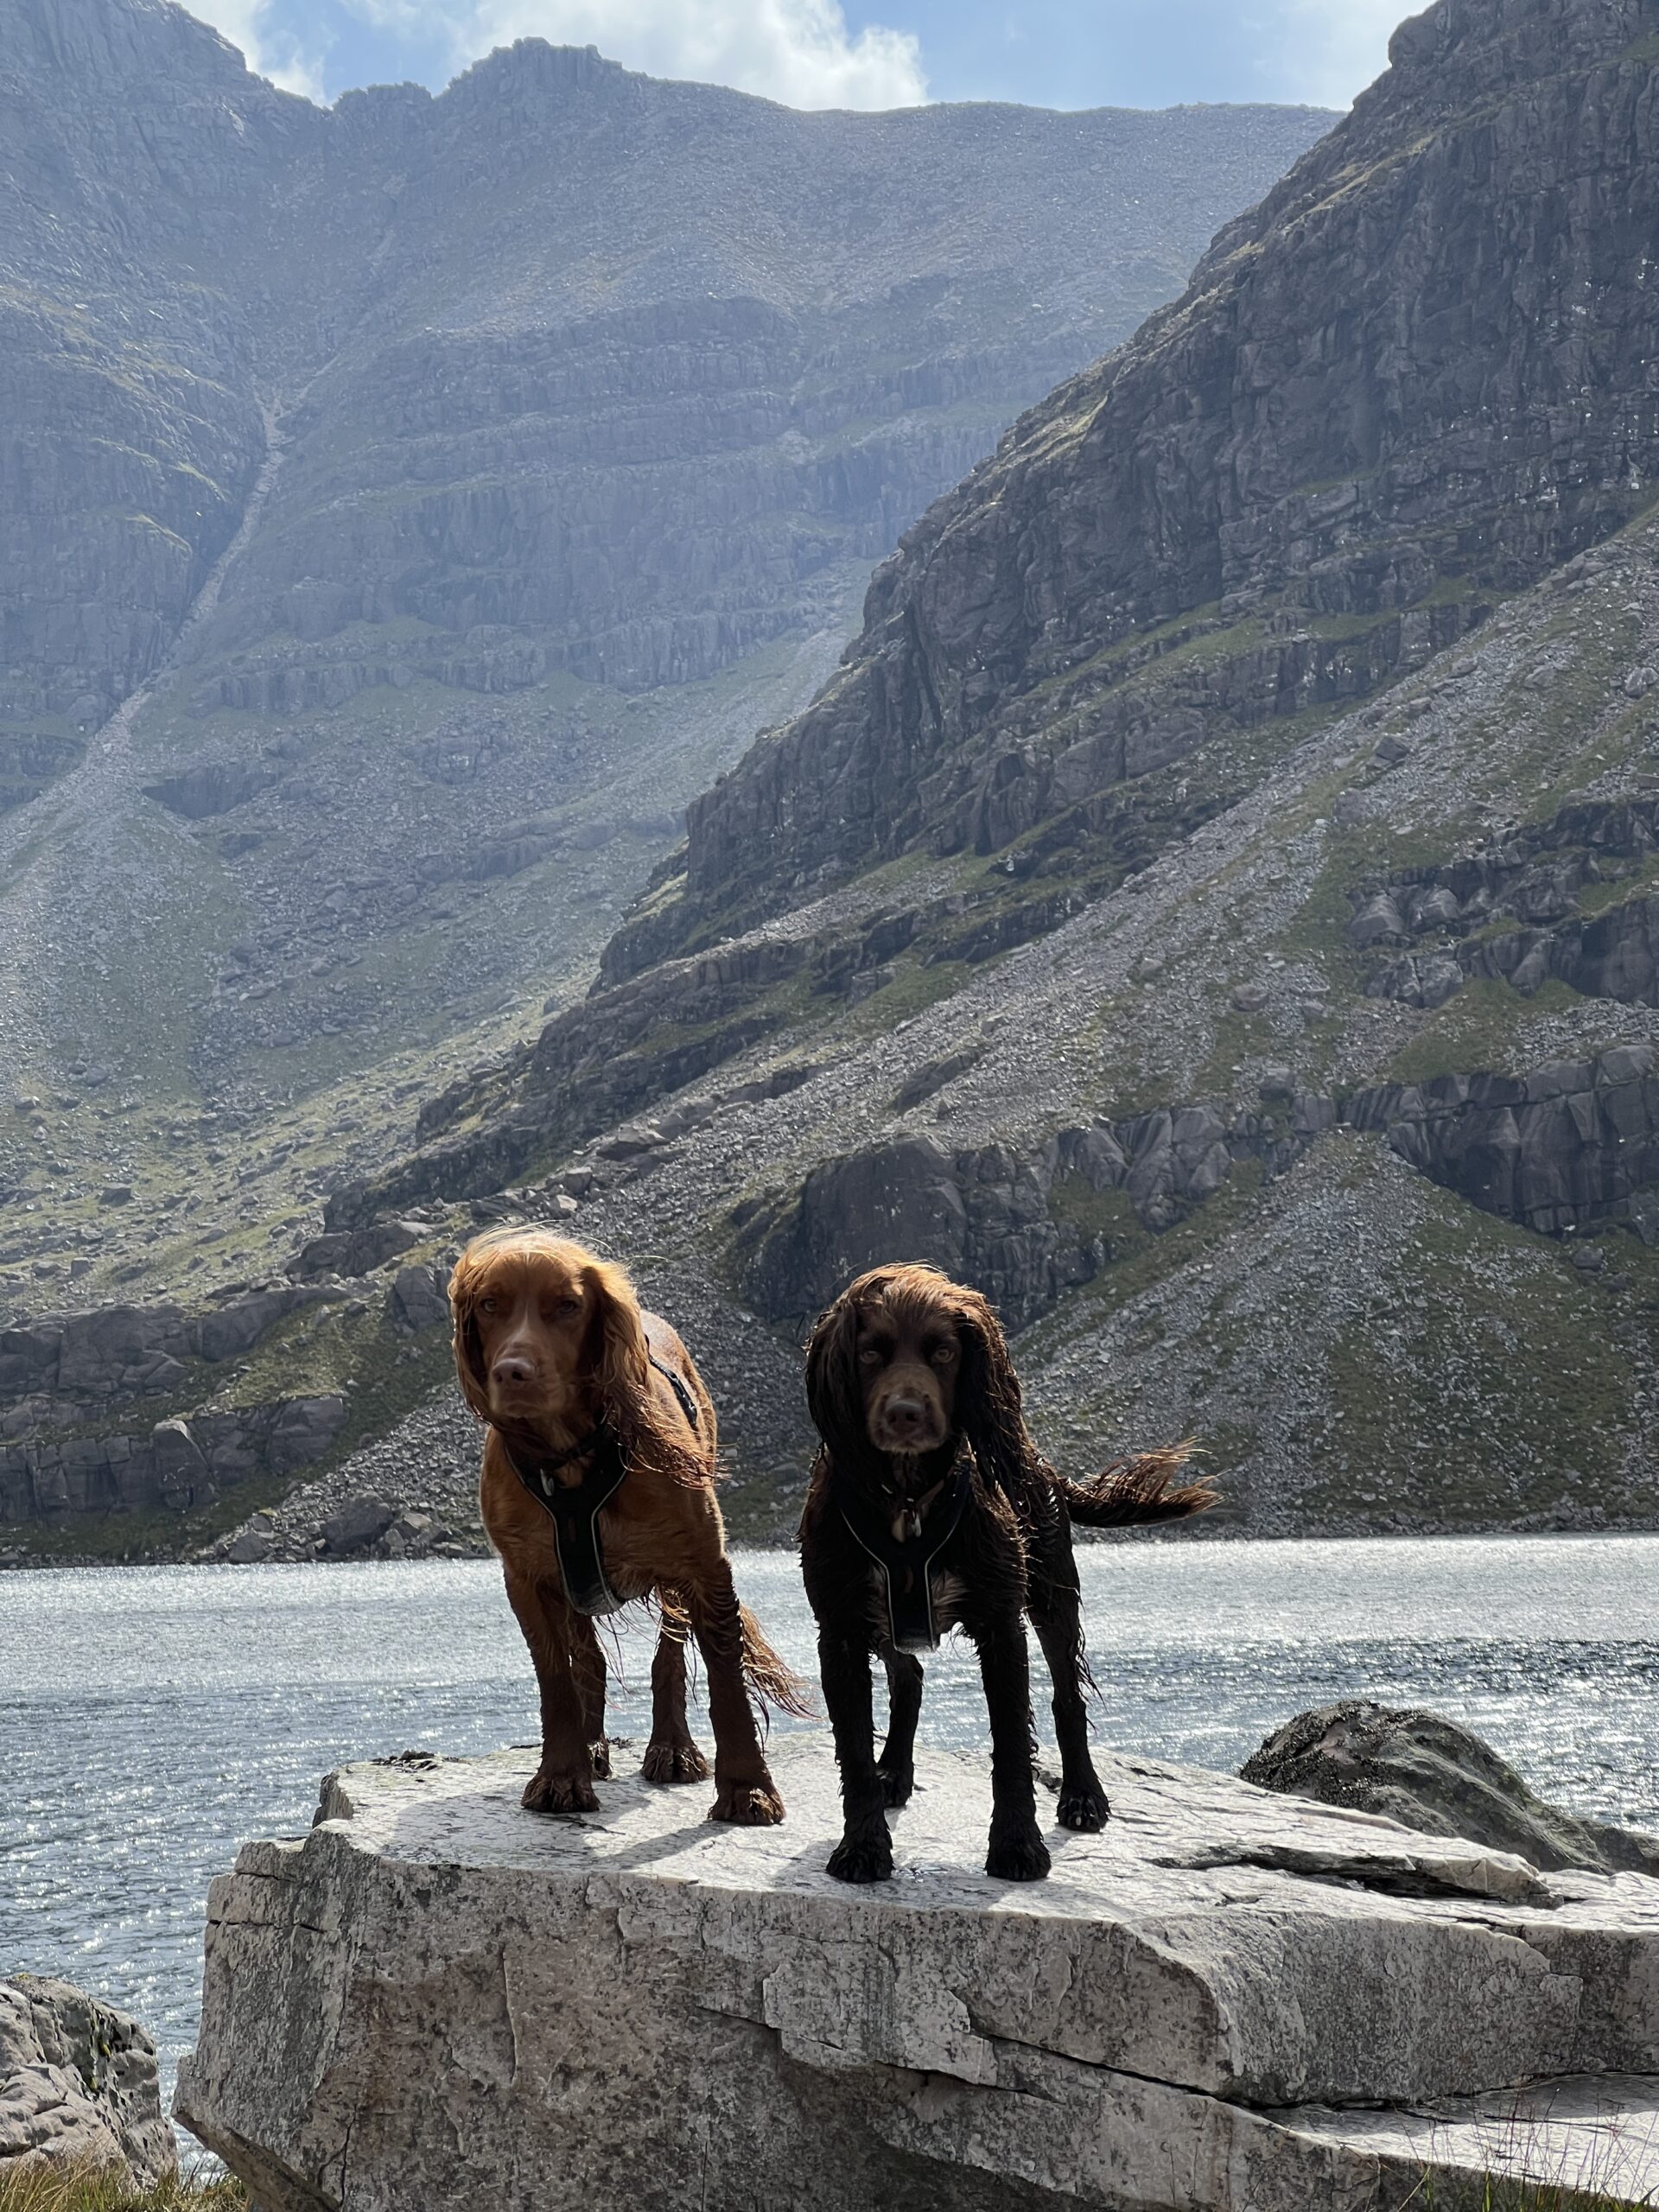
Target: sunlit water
x,y
152,1718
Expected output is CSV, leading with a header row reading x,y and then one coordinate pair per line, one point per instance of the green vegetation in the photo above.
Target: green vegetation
x,y
1487,1027
1497,2194
1146,1257
77,2189
1105,1214
1620,891
916,986
1488,1301
322,1349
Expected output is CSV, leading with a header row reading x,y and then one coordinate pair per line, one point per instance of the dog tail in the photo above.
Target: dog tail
x,y
1132,1493
769,1679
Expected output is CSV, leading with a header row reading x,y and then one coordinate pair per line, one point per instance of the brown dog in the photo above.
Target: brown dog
x,y
930,1506
598,1488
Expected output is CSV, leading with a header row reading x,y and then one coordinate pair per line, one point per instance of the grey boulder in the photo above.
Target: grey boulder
x,y
302,1430
1429,1774
420,1298
356,1251
181,1470
78,2086
358,1523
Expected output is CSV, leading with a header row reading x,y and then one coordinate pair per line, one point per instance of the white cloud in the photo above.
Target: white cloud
x,y
1329,50
798,51
271,49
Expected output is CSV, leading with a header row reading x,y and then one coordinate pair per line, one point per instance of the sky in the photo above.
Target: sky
x,y
817,53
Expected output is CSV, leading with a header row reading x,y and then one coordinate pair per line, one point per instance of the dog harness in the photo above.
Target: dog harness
x,y
905,1562
575,1507
682,1389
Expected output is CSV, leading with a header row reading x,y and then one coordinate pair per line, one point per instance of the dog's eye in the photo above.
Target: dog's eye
x,y
487,1305
942,1355
870,1356
567,1305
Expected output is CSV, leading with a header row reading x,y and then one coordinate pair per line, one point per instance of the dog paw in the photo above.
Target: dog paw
x,y
896,1786
746,1805
673,1763
1017,1855
862,1858
1084,1810
600,1751
559,1793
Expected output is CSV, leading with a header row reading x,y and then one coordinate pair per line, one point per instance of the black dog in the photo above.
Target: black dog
x,y
930,1506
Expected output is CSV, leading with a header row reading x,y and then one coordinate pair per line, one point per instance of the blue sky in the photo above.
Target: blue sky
x,y
888,53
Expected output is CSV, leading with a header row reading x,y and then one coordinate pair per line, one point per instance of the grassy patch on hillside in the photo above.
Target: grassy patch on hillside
x,y
1619,891
1105,1214
1147,1256
915,986
326,1348
1496,1358
77,2189
1577,723
1357,861
1484,1028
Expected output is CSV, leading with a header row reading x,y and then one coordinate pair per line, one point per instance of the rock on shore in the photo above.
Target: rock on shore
x,y
1425,1770
1226,2000
78,2086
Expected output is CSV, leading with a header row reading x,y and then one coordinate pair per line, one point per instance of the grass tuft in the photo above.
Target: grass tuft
x,y
83,2188
1497,2195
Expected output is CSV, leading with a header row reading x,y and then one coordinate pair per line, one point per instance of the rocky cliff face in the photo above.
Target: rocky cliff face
x,y
686,356
131,434
406,508
1410,380
1212,905
616,369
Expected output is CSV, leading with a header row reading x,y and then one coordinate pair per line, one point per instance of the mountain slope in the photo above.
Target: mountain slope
x,y
1212,905
407,507
1413,379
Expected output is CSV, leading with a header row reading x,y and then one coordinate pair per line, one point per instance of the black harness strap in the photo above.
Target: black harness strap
x,y
682,1389
573,1509
905,1563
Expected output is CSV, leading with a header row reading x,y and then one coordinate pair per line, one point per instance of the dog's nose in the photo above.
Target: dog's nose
x,y
905,1416
511,1369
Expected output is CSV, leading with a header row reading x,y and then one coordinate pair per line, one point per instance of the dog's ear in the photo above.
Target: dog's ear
x,y
615,1351
833,1396
988,1399
465,1285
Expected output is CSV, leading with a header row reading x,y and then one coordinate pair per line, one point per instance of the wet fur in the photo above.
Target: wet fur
x,y
1011,1555
662,1531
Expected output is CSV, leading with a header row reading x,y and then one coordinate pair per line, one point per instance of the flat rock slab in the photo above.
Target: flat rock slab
x,y
1228,2002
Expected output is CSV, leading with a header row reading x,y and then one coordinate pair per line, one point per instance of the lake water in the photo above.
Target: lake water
x,y
150,1719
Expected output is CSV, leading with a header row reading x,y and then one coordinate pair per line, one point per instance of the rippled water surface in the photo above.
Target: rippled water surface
x,y
152,1718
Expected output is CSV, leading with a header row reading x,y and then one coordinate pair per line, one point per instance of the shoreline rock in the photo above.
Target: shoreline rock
x,y
1425,1771
1225,2000
78,2086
